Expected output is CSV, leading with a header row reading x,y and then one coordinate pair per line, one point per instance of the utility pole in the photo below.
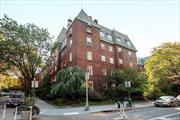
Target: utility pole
x,y
87,104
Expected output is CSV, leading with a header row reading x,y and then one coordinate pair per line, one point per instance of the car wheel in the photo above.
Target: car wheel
x,y
156,105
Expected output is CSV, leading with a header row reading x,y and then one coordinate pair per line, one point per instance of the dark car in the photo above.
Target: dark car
x,y
15,100
166,101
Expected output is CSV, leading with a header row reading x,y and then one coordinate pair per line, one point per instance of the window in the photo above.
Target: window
x,y
111,60
131,64
105,86
110,48
109,37
88,29
102,46
118,39
70,42
113,86
62,54
128,43
102,34
119,49
88,41
104,72
91,85
55,68
89,55
129,53
54,79
120,61
70,30
103,58
90,69
70,57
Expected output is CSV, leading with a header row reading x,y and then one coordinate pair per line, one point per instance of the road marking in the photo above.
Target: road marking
x,y
163,117
71,113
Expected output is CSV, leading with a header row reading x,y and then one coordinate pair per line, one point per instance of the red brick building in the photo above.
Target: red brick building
x,y
94,48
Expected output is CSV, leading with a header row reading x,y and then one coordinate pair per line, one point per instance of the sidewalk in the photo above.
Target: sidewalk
x,y
47,109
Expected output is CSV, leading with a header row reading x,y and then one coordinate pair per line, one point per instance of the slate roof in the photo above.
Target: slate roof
x,y
124,39
85,18
62,38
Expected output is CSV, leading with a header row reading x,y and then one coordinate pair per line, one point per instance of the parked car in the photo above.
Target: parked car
x,y
166,101
15,100
178,98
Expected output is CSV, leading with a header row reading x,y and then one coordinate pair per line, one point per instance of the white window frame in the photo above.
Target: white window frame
x,y
104,71
70,42
111,60
89,41
110,49
119,49
90,69
89,55
118,39
109,37
70,57
129,53
102,46
102,34
70,30
120,61
128,43
131,64
103,58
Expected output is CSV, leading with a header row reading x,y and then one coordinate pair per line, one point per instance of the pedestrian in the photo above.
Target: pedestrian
x,y
118,103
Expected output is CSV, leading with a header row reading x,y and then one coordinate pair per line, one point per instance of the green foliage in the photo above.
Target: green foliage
x,y
138,81
69,83
23,47
163,70
44,89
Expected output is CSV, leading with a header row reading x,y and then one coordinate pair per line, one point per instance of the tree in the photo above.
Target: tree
x,y
138,80
25,47
69,83
163,70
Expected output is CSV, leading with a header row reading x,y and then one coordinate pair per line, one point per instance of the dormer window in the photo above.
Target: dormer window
x,y
118,39
128,43
102,34
109,37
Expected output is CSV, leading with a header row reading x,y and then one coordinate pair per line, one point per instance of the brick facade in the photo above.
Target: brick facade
x,y
77,46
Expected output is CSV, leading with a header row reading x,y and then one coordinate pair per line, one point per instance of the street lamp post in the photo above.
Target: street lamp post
x,y
87,78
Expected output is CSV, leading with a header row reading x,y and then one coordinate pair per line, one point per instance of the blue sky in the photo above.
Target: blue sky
x,y
148,23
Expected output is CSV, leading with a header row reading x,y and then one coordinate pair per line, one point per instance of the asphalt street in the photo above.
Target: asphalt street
x,y
149,113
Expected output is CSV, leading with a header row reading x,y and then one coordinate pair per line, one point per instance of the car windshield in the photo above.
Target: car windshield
x,y
17,96
165,98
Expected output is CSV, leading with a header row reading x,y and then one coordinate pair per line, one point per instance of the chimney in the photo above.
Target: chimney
x,y
90,17
69,22
96,21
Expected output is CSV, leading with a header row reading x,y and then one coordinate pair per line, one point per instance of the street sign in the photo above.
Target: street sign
x,y
34,84
127,84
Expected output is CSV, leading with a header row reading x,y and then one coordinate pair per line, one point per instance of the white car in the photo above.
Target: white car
x,y
166,101
178,98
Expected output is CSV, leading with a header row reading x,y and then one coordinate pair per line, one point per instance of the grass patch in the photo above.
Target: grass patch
x,y
68,104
